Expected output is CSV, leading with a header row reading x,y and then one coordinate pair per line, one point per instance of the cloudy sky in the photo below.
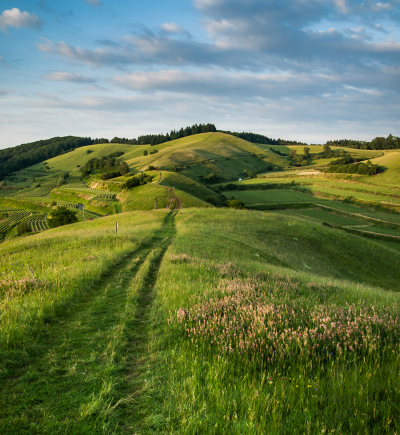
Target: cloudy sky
x,y
306,70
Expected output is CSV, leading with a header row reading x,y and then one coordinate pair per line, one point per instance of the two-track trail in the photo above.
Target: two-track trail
x,y
88,370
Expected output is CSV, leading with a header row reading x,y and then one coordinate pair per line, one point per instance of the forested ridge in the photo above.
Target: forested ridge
x,y
260,138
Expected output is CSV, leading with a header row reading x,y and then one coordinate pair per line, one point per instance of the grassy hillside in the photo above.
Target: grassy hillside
x,y
391,176
69,161
218,153
208,321
143,198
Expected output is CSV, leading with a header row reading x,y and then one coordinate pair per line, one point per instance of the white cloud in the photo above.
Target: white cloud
x,y
68,77
171,28
15,18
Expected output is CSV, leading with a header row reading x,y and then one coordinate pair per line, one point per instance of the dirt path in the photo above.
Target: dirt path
x,y
89,367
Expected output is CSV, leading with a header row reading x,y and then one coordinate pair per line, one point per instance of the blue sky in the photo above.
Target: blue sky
x,y
308,70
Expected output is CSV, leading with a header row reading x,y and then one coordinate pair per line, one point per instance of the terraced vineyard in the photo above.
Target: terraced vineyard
x,y
16,216
38,192
270,196
44,200
99,194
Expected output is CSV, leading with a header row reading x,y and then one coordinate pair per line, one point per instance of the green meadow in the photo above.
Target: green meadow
x,y
163,310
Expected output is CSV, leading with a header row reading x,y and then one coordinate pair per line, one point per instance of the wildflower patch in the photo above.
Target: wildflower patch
x,y
251,321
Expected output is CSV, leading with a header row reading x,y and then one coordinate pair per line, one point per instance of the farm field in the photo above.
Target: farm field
x,y
353,193
380,230
270,196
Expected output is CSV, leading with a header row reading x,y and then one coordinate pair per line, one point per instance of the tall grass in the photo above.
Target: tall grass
x,y
40,274
248,348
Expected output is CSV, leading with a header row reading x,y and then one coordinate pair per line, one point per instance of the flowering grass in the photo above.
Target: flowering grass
x,y
252,348
271,322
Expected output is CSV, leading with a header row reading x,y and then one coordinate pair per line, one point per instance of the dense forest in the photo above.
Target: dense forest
x,y
259,138
379,143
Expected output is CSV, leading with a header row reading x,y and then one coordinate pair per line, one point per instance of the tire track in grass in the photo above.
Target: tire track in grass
x,y
78,382
136,418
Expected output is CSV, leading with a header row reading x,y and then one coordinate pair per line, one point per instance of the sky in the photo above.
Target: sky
x,y
306,70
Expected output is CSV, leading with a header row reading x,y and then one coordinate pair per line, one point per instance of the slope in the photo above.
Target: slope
x,y
99,332
200,155
391,176
70,160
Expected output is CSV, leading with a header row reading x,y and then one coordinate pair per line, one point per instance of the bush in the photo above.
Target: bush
x,y
89,151
235,203
61,216
137,181
109,175
23,227
152,168
145,153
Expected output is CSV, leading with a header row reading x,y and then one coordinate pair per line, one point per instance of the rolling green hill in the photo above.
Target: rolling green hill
x,y
199,155
70,160
391,176
182,317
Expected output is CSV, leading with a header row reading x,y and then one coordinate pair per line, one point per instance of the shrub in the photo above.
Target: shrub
x,y
23,227
61,216
152,168
89,151
235,203
109,175
145,153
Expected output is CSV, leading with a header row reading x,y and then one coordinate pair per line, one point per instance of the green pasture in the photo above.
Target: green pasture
x,y
270,196
391,176
185,184
358,195
69,161
142,198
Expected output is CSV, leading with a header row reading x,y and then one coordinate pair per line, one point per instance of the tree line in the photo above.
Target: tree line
x,y
156,139
379,143
260,138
